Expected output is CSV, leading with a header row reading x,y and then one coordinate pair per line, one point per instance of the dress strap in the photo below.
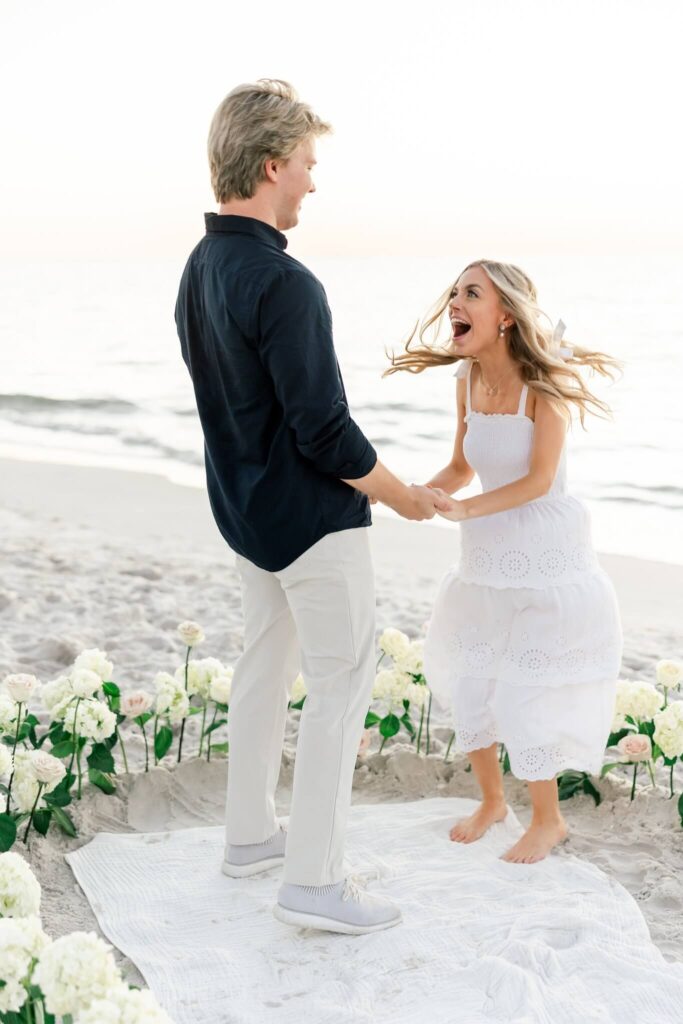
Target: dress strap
x,y
465,370
522,400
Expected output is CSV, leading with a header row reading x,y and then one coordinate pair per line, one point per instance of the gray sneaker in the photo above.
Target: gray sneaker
x,y
344,907
241,861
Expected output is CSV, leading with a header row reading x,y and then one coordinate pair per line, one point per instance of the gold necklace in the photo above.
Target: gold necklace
x,y
492,389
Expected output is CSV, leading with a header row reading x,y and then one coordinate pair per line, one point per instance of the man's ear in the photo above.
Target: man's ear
x,y
270,169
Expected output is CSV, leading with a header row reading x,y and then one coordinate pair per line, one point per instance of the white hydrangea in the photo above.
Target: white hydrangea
x,y
21,940
417,694
19,888
90,718
200,673
394,643
172,700
669,673
125,1005
298,689
8,713
95,661
84,682
668,734
391,689
221,686
413,659
56,696
75,970
638,699
5,761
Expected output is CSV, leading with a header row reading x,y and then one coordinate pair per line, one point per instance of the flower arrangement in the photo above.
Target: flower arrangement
x,y
72,980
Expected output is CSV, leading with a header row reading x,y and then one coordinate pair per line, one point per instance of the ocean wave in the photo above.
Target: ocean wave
x,y
36,403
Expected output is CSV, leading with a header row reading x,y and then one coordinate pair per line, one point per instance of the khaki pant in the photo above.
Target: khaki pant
x,y
319,613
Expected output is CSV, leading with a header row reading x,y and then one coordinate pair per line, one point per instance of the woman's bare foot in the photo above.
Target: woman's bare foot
x,y
468,830
537,842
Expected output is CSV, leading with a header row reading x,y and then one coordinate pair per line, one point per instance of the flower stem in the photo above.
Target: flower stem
x,y
144,736
652,774
671,780
381,659
73,752
123,750
182,724
450,744
633,787
419,731
14,748
208,743
156,729
201,735
30,817
381,747
429,713
80,773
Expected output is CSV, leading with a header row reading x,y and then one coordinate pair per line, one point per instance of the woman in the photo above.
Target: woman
x,y
525,637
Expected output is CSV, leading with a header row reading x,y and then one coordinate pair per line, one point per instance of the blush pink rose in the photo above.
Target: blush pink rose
x,y
364,744
136,703
635,747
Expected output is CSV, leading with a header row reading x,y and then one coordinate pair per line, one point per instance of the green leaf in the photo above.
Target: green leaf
x,y
196,709
163,741
408,725
297,706
8,832
143,719
226,707
680,808
41,820
220,748
31,720
64,821
606,768
591,790
3,788
101,780
63,749
111,689
58,797
614,737
506,764
371,719
389,726
215,725
100,757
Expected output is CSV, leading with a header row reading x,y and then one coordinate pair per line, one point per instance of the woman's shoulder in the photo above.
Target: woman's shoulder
x,y
463,368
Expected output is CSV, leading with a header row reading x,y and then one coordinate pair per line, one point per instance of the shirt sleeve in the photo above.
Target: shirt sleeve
x,y
296,348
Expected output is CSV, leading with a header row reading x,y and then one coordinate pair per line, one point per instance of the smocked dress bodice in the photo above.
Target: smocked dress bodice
x,y
542,543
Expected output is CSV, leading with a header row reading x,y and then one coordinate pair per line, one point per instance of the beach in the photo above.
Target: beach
x,y
113,559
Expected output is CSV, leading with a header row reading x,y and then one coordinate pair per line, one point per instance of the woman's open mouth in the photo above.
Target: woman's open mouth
x,y
460,327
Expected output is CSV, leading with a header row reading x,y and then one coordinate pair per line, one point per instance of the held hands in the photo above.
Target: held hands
x,y
448,508
423,503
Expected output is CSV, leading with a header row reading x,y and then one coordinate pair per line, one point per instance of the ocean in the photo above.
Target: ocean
x,y
92,374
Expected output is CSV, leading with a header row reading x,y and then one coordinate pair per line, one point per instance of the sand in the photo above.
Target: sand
x,y
113,559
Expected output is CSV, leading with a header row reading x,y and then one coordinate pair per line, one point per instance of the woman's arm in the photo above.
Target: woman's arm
x,y
549,435
457,473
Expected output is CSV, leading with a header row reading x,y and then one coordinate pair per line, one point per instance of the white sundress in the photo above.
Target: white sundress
x,y
525,639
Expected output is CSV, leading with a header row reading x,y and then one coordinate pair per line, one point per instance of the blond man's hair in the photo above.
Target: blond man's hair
x,y
256,122
530,345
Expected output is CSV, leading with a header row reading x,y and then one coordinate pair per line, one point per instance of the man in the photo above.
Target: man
x,y
288,474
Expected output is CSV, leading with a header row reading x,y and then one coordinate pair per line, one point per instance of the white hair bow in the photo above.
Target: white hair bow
x,y
557,349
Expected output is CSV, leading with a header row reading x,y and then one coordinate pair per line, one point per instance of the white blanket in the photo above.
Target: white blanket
x,y
482,940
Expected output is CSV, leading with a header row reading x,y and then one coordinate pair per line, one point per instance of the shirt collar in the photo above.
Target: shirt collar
x,y
221,223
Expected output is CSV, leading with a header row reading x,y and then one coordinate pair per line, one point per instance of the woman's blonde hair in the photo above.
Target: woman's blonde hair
x,y
256,122
530,343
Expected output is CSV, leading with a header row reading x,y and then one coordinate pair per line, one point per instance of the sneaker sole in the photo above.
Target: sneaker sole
x,y
244,870
329,924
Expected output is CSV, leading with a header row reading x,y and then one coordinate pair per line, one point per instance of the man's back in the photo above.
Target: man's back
x,y
256,335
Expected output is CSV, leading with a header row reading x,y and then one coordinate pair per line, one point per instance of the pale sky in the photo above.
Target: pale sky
x,y
553,124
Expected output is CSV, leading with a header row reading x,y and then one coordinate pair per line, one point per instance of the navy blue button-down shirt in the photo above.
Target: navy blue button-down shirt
x,y
256,334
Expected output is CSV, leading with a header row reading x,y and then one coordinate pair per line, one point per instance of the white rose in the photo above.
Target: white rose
x,y
221,686
56,697
85,682
298,689
669,674
191,633
125,1005
635,747
668,733
19,888
5,761
74,971
96,661
8,713
136,703
21,687
25,785
394,643
21,940
90,718
48,770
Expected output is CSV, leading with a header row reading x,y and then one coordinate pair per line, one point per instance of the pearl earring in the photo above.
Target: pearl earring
x,y
501,330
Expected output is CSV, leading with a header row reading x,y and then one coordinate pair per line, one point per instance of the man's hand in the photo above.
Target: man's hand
x,y
455,510
422,503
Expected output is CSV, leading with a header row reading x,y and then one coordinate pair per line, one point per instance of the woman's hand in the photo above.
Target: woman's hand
x,y
456,510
